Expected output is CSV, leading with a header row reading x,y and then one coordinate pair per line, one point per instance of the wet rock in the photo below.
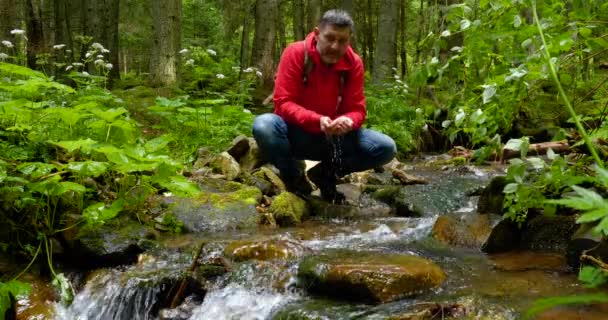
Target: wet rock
x,y
368,276
289,209
317,309
263,250
223,205
117,242
204,155
246,152
471,230
225,164
552,234
255,181
528,260
384,178
492,197
324,209
39,303
407,179
504,237
267,174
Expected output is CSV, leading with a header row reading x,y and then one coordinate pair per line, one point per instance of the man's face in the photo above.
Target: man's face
x,y
332,42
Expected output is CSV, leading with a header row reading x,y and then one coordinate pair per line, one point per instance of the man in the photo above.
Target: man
x,y
319,107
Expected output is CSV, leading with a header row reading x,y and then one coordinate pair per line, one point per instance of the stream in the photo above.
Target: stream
x,y
481,286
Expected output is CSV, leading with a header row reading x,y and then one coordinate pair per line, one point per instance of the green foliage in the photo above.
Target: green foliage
x,y
388,111
593,277
547,303
14,289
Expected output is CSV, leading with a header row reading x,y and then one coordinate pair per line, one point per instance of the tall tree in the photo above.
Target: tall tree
x,y
349,7
8,17
245,61
314,13
403,38
298,19
264,43
164,60
35,35
385,45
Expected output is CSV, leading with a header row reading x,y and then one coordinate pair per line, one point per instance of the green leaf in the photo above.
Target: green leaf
x,y
510,188
585,32
514,144
537,163
88,168
592,277
36,169
12,288
70,146
158,143
109,115
66,291
12,69
547,303
592,215
602,227
66,186
99,213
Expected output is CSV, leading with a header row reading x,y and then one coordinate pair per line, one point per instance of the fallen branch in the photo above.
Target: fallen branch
x,y
538,149
178,297
597,262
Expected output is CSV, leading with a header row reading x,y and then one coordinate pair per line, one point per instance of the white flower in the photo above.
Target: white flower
x,y
68,68
399,81
189,62
97,46
77,64
99,56
99,62
59,46
258,73
425,127
88,54
184,51
434,60
7,43
85,73
247,111
220,76
446,123
3,56
18,32
109,66
396,77
248,70
418,111
236,69
211,52
456,49
104,50
446,33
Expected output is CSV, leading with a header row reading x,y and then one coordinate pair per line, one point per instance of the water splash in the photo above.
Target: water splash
x,y
236,301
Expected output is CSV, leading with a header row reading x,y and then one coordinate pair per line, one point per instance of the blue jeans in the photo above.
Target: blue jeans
x,y
284,144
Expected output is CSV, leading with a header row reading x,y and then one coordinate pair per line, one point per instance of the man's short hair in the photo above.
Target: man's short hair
x,y
338,18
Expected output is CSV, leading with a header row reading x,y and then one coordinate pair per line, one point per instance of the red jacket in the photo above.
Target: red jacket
x,y
304,105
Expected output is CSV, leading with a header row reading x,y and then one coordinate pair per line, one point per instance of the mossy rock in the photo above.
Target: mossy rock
x,y
117,242
263,250
470,231
368,276
492,197
289,209
223,205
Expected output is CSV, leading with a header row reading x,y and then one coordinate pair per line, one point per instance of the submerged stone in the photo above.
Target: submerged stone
x,y
369,276
263,250
469,231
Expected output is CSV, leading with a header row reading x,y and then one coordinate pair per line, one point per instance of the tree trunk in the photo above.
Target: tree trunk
x,y
164,60
282,43
263,44
385,45
369,35
314,13
349,6
35,44
298,20
8,18
245,61
403,33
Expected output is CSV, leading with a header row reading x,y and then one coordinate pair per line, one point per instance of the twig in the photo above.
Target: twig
x,y
599,263
182,286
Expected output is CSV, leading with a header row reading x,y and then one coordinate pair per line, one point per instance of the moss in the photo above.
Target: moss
x,y
289,209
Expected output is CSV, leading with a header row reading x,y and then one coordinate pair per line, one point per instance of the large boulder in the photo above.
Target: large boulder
x,y
223,205
288,209
368,276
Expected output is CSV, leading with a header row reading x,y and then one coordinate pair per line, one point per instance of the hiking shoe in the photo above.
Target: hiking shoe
x,y
298,186
325,179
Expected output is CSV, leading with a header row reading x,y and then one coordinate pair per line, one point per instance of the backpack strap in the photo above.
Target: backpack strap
x,y
308,66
